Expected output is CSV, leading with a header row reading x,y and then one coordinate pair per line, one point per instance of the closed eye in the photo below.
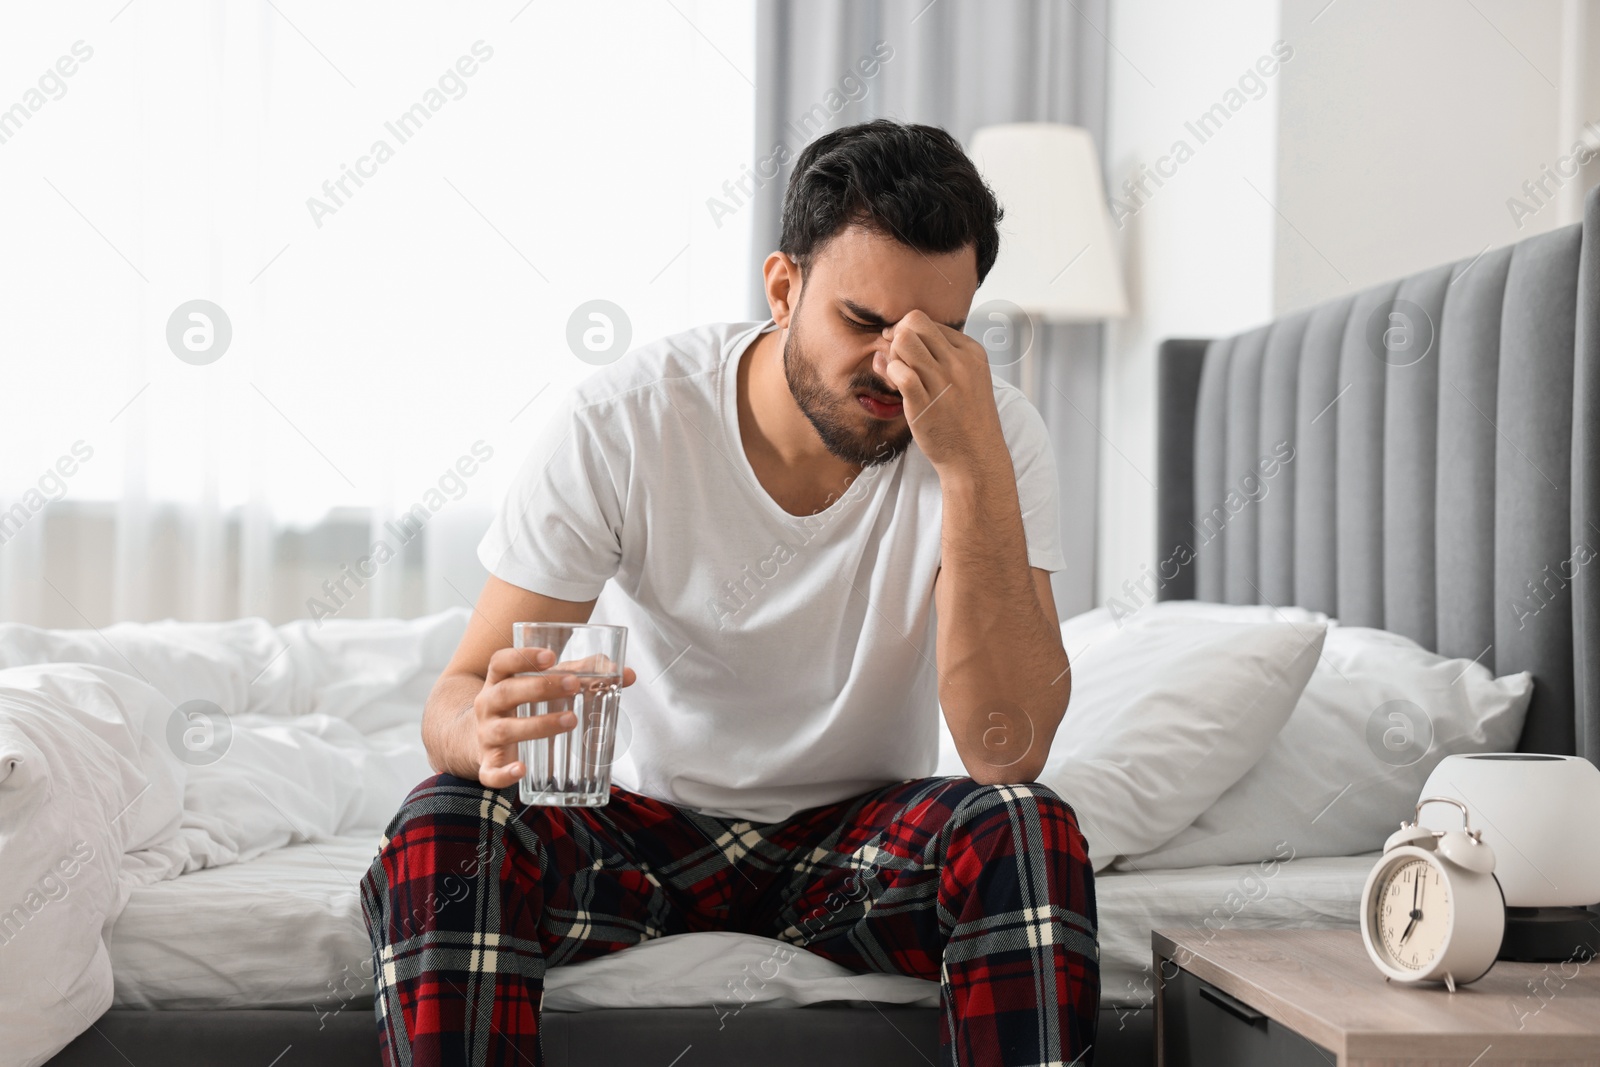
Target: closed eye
x,y
865,326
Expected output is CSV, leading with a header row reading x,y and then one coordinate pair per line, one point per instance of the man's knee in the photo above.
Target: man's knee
x,y
1025,805
443,786
969,797
441,801
446,830
455,825
445,842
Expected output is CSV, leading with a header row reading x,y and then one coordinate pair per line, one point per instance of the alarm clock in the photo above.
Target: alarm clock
x,y
1432,909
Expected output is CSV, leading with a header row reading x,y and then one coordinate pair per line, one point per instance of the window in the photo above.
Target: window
x,y
396,208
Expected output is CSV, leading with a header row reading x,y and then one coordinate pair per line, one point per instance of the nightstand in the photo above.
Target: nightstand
x,y
1287,998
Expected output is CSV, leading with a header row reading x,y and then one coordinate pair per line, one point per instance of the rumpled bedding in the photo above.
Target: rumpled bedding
x,y
141,752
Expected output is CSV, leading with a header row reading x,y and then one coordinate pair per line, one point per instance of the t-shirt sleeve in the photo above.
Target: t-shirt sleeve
x,y
1033,458
559,531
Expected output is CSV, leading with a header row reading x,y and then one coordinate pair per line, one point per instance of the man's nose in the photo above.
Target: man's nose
x,y
880,354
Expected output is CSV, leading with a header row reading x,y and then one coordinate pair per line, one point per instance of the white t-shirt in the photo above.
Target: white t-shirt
x,y
783,662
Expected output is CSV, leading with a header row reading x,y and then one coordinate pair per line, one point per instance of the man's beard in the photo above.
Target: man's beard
x,y
839,421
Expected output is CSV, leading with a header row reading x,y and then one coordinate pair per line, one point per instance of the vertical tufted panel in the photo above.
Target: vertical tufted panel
x,y
1533,478
1210,456
1359,477
1469,377
1410,445
1452,498
1280,377
1241,490
1586,487
1316,460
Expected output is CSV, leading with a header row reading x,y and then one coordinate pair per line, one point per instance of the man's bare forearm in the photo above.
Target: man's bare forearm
x,y
449,731
1002,671
1003,683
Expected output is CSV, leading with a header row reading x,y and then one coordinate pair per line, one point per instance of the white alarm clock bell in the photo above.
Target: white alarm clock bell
x,y
1432,910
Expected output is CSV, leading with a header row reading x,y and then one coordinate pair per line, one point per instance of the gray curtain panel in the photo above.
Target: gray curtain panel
x,y
961,65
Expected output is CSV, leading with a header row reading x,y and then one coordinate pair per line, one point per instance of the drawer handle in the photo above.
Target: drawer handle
x,y
1233,1006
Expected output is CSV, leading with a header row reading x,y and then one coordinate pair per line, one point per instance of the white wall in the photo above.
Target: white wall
x,y
1404,129
1197,251
1389,142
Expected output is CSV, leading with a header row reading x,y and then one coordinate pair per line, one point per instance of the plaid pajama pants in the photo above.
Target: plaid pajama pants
x,y
986,889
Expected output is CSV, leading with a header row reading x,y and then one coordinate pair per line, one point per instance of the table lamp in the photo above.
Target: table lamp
x,y
1541,815
1057,260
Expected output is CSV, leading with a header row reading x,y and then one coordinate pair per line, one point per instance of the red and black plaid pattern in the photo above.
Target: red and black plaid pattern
x,y
986,889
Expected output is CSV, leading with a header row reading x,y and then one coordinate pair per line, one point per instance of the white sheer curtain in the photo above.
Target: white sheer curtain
x,y
397,207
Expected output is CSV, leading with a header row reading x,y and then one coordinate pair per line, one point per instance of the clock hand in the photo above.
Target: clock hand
x,y
1416,911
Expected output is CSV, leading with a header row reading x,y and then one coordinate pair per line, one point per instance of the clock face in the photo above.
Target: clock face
x,y
1410,917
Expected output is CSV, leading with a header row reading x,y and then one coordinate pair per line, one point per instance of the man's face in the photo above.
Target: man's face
x,y
836,352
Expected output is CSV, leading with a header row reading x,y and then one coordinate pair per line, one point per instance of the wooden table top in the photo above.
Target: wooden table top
x,y
1322,985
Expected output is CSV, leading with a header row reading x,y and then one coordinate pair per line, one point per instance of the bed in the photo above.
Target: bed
x,y
210,945
1431,495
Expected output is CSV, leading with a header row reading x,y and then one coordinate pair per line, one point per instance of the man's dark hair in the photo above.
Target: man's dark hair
x,y
911,183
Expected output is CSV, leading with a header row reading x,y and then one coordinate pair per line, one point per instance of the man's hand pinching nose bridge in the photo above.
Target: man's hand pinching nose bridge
x,y
944,377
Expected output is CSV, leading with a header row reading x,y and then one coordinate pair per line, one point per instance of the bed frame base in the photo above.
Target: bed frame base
x,y
843,1035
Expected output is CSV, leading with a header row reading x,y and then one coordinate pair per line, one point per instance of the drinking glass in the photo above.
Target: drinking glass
x,y
573,769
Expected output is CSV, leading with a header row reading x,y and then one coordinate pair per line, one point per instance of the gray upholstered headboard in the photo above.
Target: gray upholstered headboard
x,y
1423,457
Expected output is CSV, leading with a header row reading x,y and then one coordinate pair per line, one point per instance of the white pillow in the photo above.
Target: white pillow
x,y
1166,714
1080,631
1379,713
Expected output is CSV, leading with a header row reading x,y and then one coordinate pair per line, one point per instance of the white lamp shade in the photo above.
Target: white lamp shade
x,y
1057,259
1540,814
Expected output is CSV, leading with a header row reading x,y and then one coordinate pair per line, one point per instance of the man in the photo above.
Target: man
x,y
818,530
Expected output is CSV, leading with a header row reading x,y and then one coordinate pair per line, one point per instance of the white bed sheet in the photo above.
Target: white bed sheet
x,y
282,930
1323,891
285,930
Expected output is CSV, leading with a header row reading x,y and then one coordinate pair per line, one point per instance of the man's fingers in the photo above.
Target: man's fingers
x,y
498,777
913,348
491,778
500,768
499,764
906,381
517,676
502,697
509,662
599,663
512,661
503,733
946,345
908,351
952,337
934,337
